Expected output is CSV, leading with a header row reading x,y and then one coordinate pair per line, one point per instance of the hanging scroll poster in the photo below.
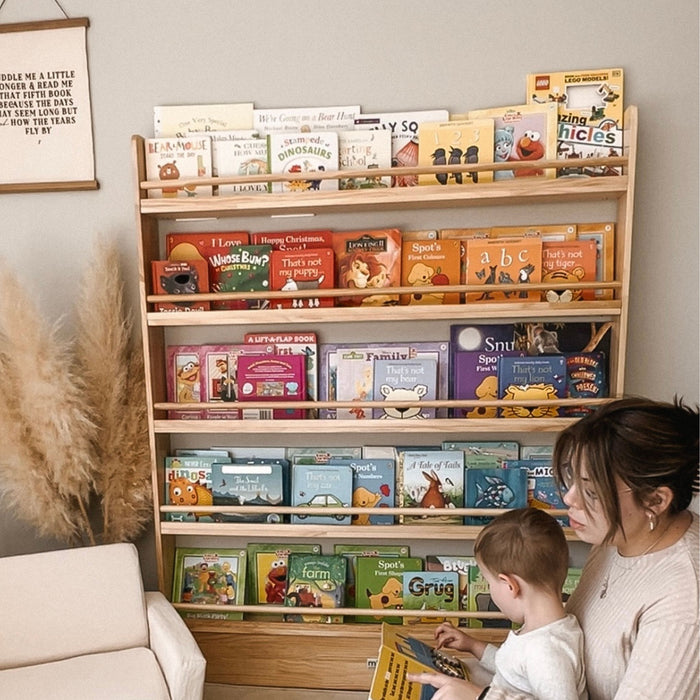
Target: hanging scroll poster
x,y
45,121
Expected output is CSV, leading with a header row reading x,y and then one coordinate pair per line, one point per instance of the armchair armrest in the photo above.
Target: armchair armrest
x,y
180,658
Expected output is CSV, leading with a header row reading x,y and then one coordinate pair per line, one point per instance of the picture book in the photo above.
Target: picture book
x,y
522,133
495,489
573,576
212,246
502,450
319,486
430,263
293,240
542,490
257,452
430,590
431,479
472,461
515,261
247,270
379,585
304,119
272,378
303,153
236,157
480,600
466,142
586,378
178,158
367,259
364,150
181,120
547,232
292,270
379,452
536,452
590,113
457,565
209,577
405,380
188,483
180,277
400,654
565,262
184,380
404,136
373,487
604,236
426,234
321,455
315,581
531,379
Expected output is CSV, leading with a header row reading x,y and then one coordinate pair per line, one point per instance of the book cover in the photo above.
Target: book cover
x,y
590,115
403,127
209,577
364,150
522,133
315,581
291,270
430,263
182,120
367,259
457,565
515,261
183,376
536,452
247,270
294,240
586,378
431,479
480,601
566,262
542,490
321,455
372,488
502,450
319,486
212,246
379,585
176,158
405,380
272,378
573,576
303,153
430,590
181,277
494,488
604,236
236,157
466,142
304,119
531,379
188,482
547,232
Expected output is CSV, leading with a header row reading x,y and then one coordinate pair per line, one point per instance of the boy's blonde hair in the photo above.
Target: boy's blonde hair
x,y
526,542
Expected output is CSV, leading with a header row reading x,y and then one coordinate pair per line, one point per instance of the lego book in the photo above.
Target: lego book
x,y
175,158
303,154
494,488
405,380
315,581
531,379
180,277
430,590
430,263
319,486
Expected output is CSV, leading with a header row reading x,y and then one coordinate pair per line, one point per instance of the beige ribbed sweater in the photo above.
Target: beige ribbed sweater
x,y
641,639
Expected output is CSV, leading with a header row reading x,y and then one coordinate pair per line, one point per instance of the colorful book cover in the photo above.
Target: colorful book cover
x,y
494,488
184,158
303,154
431,479
430,263
319,486
184,379
180,277
212,246
304,119
568,262
513,261
590,113
405,380
531,379
272,378
465,142
403,127
367,259
372,488
209,577
182,120
247,270
188,482
501,449
379,585
586,378
430,590
604,236
542,489
522,133
293,240
364,150
480,601
236,157
321,455
309,269
315,581
457,565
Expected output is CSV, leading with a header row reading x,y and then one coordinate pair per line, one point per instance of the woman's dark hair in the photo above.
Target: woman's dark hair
x,y
647,444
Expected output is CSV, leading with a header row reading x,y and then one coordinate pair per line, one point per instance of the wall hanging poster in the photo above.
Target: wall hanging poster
x,y
46,137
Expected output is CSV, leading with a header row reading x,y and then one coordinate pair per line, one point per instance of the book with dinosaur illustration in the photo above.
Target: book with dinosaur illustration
x,y
180,277
569,262
364,150
540,378
430,590
169,159
309,269
430,263
373,487
494,489
413,380
315,581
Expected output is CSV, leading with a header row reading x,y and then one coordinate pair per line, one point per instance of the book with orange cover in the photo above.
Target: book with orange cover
x,y
604,236
568,261
430,263
180,277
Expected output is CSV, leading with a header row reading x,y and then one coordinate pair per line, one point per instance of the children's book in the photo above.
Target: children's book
x,y
176,158
182,120
379,585
319,486
180,277
247,270
364,150
480,601
457,565
573,576
294,240
405,380
586,378
536,452
305,119
303,154
236,157
188,483
604,236
430,590
494,488
472,461
308,269
315,581
566,262
502,450
431,479
373,488
209,577
547,232
184,379
466,142
531,379
430,263
322,455
542,490
400,654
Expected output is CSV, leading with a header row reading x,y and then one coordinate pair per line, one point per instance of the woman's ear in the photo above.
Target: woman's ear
x,y
660,500
511,583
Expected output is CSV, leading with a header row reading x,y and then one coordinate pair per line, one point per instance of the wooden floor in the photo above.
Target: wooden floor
x,y
213,691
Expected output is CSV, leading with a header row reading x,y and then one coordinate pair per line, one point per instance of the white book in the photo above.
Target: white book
x,y
178,159
303,153
240,157
268,121
358,150
180,120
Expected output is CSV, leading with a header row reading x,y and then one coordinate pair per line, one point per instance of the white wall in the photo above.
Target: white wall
x,y
389,55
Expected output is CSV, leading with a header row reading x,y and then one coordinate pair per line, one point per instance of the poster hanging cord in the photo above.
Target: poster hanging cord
x,y
2,3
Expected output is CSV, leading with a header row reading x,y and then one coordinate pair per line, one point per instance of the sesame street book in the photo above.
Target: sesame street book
x,y
408,380
494,488
185,158
184,379
315,581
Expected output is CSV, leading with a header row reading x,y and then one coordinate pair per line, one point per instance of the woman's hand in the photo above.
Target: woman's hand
x,y
448,688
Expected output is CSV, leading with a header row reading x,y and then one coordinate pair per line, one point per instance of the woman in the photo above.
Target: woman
x,y
630,471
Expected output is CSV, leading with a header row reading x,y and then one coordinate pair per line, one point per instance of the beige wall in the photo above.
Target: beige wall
x,y
388,55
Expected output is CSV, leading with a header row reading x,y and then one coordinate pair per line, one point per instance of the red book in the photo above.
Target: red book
x,y
301,269
569,261
180,277
293,240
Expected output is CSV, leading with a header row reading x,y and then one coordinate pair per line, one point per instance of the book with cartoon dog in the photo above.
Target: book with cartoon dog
x,y
292,270
430,263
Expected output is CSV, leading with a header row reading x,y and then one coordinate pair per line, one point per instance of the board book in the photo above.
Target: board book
x,y
322,455
184,379
430,590
604,236
405,380
293,240
180,277
531,379
186,158
237,157
542,489
308,269
188,482
373,487
181,120
303,154
304,119
319,486
364,150
586,378
480,601
315,581
454,564
494,488
565,262
430,263
501,450
247,270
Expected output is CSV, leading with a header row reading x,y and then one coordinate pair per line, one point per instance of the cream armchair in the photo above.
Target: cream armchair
x,y
76,623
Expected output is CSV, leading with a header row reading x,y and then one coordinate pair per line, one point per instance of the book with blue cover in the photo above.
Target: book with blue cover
x,y
373,487
542,489
319,486
495,489
531,379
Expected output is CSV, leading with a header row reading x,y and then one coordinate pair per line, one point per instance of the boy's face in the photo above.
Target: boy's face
x,y
502,593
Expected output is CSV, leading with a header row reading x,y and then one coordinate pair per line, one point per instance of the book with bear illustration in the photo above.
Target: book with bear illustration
x,y
413,380
170,159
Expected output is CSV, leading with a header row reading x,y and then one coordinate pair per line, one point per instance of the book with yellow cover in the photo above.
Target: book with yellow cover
x,y
430,263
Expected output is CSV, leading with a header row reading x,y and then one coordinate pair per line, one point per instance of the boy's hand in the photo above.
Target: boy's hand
x,y
446,635
448,688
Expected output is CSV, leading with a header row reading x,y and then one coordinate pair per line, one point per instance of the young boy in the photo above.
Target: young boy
x,y
524,557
